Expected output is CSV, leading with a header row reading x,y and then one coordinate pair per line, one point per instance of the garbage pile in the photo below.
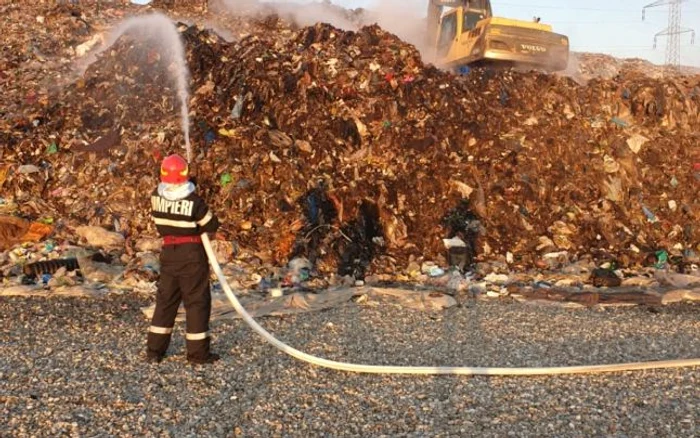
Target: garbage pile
x,y
346,149
596,65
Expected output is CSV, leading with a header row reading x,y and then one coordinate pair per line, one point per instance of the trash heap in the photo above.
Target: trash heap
x,y
345,148
585,66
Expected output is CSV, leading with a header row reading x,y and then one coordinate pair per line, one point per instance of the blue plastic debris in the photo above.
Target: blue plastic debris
x,y
209,137
314,209
619,122
651,217
503,97
689,254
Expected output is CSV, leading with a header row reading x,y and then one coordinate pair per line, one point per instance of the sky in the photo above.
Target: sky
x,y
614,27
601,26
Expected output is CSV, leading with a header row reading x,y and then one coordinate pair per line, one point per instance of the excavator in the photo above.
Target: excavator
x,y
465,33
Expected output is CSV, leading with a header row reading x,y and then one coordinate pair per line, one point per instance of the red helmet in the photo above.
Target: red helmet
x,y
174,170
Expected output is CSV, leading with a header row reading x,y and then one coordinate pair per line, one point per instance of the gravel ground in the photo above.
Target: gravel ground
x,y
73,367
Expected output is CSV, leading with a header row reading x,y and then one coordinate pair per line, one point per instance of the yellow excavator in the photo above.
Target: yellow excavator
x,y
465,33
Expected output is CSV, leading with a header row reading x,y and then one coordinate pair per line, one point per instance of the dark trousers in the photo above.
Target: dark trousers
x,y
184,276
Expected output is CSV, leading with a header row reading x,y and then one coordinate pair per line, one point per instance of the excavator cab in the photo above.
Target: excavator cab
x,y
448,33
468,34
457,22
471,19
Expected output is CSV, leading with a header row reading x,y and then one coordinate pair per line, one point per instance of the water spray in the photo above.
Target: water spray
x,y
160,29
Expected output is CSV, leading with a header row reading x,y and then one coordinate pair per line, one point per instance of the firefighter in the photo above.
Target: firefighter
x,y
181,216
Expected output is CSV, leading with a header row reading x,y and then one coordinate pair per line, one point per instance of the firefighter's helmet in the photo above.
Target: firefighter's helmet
x,y
174,170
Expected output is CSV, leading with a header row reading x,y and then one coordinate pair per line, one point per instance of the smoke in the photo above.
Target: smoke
x,y
573,69
404,18
302,15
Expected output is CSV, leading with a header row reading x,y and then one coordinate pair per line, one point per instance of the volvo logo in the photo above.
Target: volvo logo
x,y
533,48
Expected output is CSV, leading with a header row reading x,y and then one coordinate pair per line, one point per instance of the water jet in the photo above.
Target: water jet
x,y
159,29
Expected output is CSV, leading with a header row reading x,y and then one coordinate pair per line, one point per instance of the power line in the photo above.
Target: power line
x,y
531,6
596,48
601,23
623,46
673,32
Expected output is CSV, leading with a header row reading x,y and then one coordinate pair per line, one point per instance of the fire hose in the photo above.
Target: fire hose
x,y
428,370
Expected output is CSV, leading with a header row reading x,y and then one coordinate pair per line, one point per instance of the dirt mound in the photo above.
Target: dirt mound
x,y
344,147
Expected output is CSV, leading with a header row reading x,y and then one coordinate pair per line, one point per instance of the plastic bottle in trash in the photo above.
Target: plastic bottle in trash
x,y
237,108
661,259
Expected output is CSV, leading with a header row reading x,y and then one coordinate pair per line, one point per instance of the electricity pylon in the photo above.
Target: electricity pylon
x,y
673,32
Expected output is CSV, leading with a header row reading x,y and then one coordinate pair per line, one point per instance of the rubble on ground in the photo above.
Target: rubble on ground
x,y
587,66
345,149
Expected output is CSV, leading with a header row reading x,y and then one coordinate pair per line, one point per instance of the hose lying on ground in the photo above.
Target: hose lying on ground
x,y
468,371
